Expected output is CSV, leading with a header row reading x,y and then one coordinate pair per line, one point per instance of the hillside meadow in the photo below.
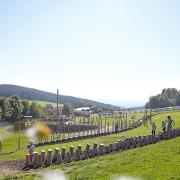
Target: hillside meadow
x,y
157,161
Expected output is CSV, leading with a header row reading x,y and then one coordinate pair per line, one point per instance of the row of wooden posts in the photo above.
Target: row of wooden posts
x,y
121,126
57,157
118,123
95,121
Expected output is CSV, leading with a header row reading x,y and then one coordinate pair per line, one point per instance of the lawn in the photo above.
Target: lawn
x,y
11,141
43,103
154,162
158,161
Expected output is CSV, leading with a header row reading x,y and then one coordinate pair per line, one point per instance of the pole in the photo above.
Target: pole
x,y
57,101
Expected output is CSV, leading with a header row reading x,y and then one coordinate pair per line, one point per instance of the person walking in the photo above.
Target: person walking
x,y
171,123
164,126
154,129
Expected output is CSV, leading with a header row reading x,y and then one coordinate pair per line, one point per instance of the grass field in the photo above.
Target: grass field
x,y
158,161
11,141
43,103
155,162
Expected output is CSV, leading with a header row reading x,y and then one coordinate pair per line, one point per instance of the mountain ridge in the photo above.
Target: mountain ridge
x,y
41,95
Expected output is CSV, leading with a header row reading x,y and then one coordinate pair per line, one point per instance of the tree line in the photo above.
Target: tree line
x,y
169,97
13,109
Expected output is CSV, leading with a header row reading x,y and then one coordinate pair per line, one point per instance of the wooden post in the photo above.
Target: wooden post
x,y
64,128
19,138
35,158
59,120
49,157
63,151
88,126
150,115
43,155
79,148
91,125
83,126
79,119
122,124
97,125
112,126
71,150
101,124
68,130
28,160
105,123
74,127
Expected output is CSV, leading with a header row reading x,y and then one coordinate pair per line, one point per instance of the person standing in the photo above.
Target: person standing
x,y
153,129
171,123
164,126
31,148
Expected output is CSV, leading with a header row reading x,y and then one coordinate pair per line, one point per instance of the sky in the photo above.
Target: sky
x,y
114,51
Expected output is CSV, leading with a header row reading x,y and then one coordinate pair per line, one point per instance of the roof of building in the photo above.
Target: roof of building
x,y
82,109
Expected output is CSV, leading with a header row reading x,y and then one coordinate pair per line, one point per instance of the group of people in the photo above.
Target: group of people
x,y
167,125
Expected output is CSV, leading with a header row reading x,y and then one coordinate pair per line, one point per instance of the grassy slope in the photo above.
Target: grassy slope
x,y
158,161
103,139
43,103
10,143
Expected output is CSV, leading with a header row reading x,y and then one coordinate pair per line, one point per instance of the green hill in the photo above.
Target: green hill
x,y
39,95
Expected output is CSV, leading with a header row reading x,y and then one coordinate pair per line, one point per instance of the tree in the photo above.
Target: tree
x,y
49,106
36,110
25,108
169,93
49,110
177,99
168,97
66,109
6,110
2,107
16,108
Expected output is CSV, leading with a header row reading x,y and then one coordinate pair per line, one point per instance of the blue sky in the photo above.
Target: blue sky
x,y
115,51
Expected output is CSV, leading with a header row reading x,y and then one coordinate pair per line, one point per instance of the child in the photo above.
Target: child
x,y
171,123
31,148
153,129
164,126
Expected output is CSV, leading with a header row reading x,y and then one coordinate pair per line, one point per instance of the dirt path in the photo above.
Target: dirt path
x,y
11,167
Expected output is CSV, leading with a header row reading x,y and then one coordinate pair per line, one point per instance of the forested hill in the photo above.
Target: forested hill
x,y
34,94
168,97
